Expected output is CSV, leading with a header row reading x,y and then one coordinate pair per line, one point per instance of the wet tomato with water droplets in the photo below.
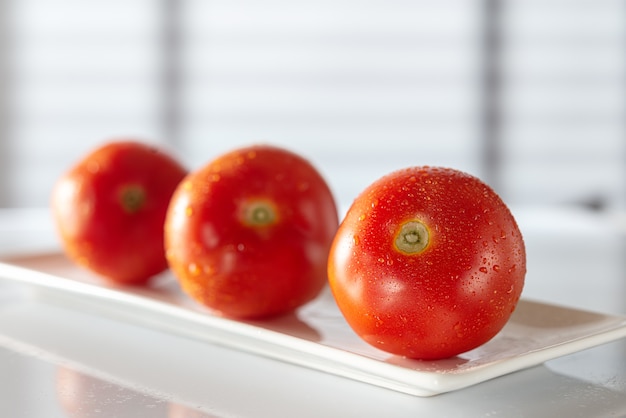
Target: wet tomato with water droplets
x,y
109,210
428,263
248,234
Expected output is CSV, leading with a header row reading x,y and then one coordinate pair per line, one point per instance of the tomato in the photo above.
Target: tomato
x,y
428,263
109,210
248,234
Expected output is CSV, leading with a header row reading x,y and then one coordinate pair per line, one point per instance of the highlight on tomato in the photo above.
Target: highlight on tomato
x,y
428,263
248,234
109,210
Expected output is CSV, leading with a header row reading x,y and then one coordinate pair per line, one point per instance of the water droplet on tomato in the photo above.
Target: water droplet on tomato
x,y
241,247
193,269
381,260
362,217
483,269
356,240
496,267
458,329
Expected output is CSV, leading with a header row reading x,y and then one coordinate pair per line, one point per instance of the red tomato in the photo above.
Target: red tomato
x,y
110,210
248,234
428,263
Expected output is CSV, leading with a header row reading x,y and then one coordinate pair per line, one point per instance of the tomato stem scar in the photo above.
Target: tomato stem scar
x,y
132,198
259,213
412,238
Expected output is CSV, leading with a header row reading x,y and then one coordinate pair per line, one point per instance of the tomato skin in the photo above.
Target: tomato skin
x,y
454,295
246,267
109,210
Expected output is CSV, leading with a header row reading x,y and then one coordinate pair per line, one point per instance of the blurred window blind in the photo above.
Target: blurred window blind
x,y
564,96
362,87
79,72
359,87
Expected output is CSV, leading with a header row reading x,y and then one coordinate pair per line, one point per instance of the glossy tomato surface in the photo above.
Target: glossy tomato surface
x,y
428,263
248,234
110,210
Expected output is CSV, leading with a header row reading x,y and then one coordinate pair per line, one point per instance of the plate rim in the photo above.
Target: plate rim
x,y
280,346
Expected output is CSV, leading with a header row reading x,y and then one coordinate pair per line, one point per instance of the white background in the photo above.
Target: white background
x,y
360,88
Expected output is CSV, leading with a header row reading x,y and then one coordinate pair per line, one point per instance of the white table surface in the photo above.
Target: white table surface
x,y
60,362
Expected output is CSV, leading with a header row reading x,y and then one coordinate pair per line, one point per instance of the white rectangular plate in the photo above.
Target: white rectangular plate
x,y
317,336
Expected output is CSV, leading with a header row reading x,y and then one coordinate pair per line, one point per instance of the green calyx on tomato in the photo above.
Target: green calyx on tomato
x,y
412,238
259,213
132,198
